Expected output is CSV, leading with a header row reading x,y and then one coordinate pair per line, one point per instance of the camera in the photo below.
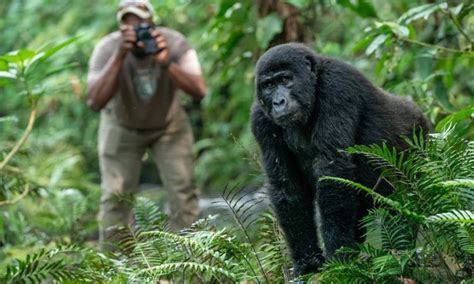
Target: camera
x,y
144,35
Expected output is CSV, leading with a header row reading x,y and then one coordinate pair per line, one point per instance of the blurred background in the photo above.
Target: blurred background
x,y
403,46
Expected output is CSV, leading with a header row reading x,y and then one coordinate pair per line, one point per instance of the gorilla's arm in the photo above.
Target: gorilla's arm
x,y
292,200
340,92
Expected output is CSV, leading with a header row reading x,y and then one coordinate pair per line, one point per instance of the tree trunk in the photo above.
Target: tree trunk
x,y
292,28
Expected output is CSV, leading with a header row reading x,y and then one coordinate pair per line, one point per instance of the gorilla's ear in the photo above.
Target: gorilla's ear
x,y
307,61
310,64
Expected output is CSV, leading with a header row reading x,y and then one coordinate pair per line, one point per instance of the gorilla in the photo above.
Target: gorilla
x,y
308,109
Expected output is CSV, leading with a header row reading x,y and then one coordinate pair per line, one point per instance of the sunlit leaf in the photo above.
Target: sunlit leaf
x,y
6,74
379,40
423,11
454,216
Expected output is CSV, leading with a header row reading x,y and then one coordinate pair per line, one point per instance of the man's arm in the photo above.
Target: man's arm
x,y
191,84
101,88
189,81
103,76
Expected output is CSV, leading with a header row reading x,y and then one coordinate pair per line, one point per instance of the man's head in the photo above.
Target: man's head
x,y
132,12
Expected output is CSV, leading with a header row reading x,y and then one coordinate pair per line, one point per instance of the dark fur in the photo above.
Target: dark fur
x,y
337,108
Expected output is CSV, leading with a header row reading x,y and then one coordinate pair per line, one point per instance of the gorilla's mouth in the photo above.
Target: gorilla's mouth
x,y
286,118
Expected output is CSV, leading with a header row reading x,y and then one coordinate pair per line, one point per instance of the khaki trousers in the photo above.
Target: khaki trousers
x,y
120,156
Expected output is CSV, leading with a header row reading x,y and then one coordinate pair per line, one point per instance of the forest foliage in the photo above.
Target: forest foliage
x,y
49,179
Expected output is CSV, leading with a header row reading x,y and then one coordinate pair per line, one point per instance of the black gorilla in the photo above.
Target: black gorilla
x,y
307,109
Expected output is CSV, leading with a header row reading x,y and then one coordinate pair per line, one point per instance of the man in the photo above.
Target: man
x,y
140,110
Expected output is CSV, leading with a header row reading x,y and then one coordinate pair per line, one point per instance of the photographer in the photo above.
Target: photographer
x,y
133,77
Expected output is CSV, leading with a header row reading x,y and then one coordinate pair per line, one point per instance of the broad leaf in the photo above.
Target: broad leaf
x,y
267,28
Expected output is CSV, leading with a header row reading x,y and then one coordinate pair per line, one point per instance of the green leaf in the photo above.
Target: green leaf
x,y
48,52
267,28
456,10
363,43
423,11
454,216
455,117
379,40
399,30
7,75
18,56
4,66
441,93
362,7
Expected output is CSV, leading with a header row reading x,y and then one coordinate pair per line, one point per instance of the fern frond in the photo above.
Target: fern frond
x,y
196,247
272,245
208,272
394,232
148,216
241,211
465,236
466,183
47,264
455,216
376,196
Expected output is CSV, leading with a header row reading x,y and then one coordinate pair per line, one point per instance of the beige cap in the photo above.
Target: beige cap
x,y
141,8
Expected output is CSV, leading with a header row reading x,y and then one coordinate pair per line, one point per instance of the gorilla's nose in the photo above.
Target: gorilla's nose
x,y
279,103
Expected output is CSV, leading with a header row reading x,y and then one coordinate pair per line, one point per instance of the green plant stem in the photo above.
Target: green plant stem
x,y
18,198
458,26
23,138
446,49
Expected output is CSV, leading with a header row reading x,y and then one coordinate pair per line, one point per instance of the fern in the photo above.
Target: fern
x,y
455,216
206,272
430,209
466,238
271,244
201,252
49,264
394,231
376,196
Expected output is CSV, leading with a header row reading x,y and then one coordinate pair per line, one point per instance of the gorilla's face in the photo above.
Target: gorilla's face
x,y
285,91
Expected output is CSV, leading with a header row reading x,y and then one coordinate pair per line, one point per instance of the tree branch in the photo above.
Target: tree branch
x,y
23,138
20,197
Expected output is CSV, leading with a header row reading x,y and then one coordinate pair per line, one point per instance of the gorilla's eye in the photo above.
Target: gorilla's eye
x,y
269,85
285,80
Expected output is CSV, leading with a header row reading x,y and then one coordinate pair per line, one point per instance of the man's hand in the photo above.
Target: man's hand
x,y
129,37
162,57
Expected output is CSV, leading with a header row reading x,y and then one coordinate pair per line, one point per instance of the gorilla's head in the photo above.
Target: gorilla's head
x,y
285,84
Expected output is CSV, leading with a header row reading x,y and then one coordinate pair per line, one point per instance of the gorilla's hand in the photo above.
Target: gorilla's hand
x,y
308,265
